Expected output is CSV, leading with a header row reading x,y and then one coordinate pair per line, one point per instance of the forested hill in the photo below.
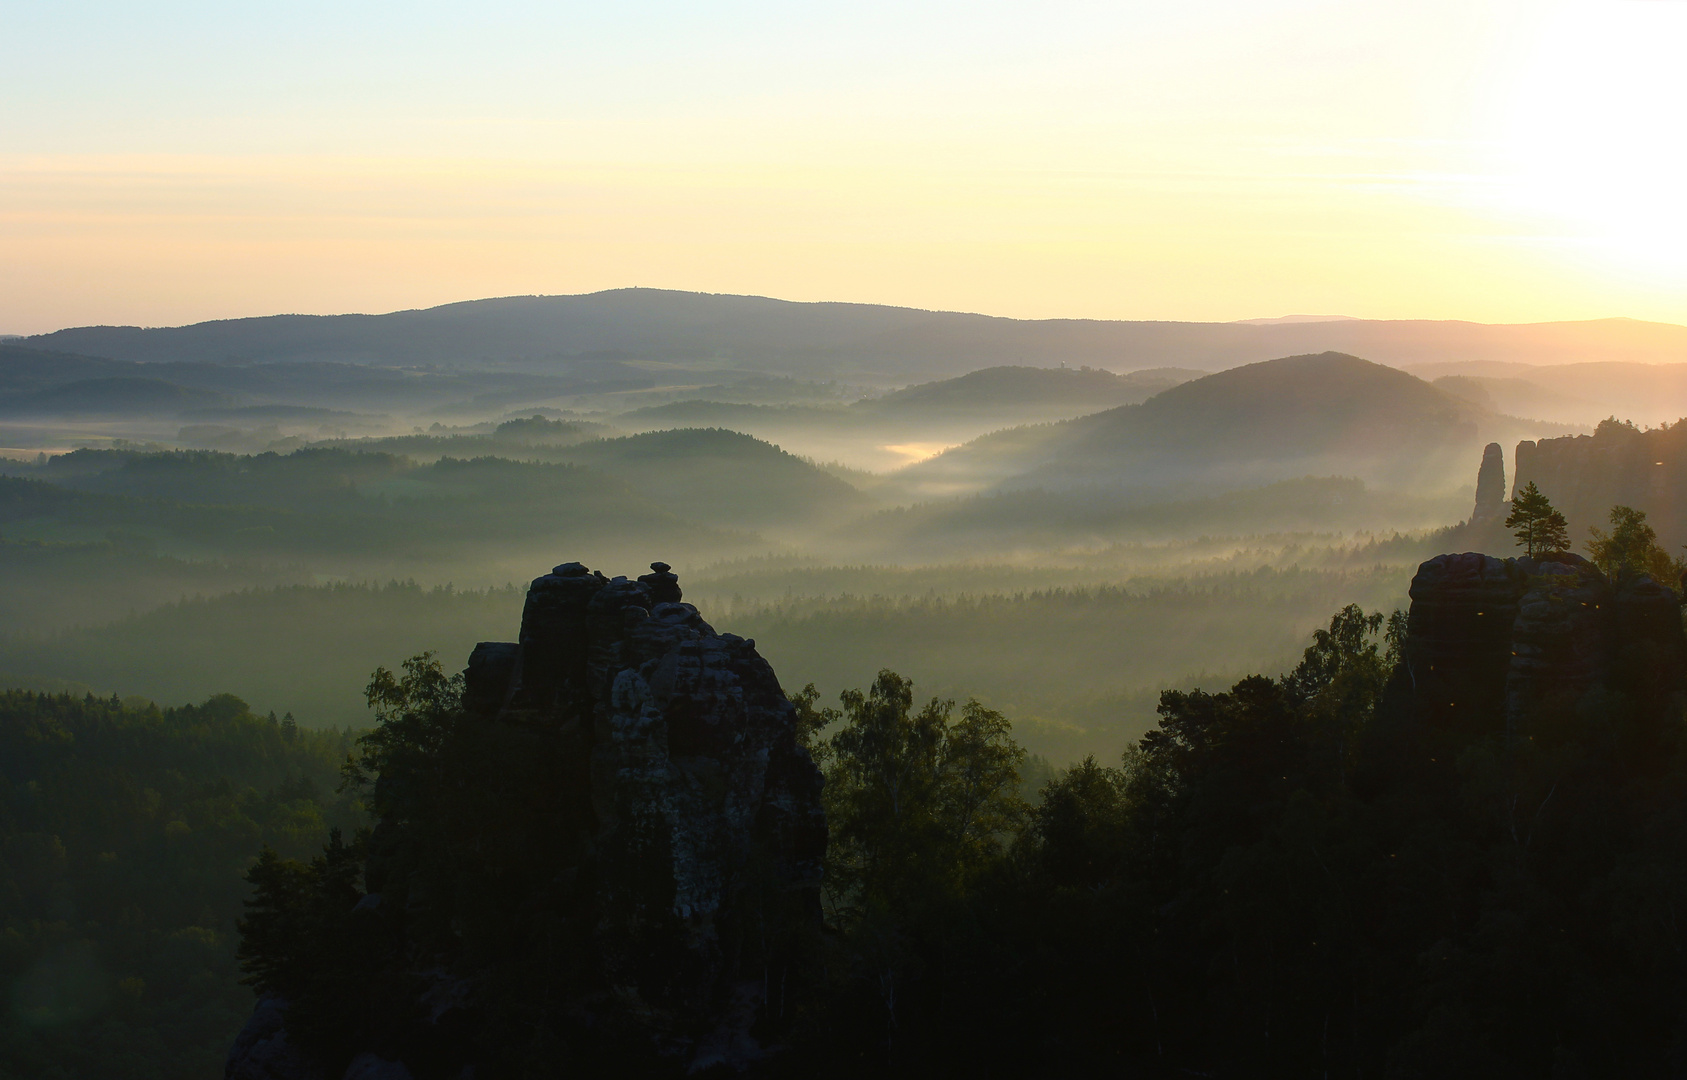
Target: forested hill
x,y
1000,389
777,335
1327,413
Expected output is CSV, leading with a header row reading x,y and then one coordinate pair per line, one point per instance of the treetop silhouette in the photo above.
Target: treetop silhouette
x,y
1539,529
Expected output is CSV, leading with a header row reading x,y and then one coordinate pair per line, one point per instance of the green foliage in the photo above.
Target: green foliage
x,y
416,716
124,831
1539,529
1079,668
302,939
1631,547
1284,879
1027,652
917,801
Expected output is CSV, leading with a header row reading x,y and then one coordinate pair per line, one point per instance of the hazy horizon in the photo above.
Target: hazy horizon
x,y
1214,161
1034,537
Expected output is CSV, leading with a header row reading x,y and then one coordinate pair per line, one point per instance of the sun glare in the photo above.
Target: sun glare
x,y
1590,132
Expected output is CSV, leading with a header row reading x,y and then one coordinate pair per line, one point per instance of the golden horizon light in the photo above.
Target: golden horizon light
x,y
1498,162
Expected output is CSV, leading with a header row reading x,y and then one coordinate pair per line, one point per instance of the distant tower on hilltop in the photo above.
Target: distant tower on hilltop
x,y
1490,486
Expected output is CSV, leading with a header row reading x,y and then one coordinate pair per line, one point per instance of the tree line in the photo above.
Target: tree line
x,y
1288,878
125,834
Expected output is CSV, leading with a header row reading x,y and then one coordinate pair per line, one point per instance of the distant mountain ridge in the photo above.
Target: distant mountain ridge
x,y
891,343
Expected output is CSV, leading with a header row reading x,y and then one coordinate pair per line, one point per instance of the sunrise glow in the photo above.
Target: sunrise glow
x,y
1499,161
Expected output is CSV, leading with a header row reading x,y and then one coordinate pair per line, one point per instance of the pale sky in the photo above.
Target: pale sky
x,y
1524,160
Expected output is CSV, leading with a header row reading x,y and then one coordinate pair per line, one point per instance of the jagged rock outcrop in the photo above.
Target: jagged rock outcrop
x,y
1499,645
1618,465
683,814
1490,487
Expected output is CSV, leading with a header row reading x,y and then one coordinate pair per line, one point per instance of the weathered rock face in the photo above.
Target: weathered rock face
x,y
695,783
1490,487
1500,644
696,829
1585,475
1458,634
262,1051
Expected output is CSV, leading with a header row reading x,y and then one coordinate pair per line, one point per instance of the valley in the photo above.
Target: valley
x,y
261,506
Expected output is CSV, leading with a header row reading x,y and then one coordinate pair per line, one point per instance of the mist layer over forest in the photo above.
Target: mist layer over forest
x,y
1061,518
1076,534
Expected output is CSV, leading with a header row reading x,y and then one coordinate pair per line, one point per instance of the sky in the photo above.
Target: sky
x,y
1492,160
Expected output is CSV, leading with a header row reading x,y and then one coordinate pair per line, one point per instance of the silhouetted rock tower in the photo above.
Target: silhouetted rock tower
x,y
689,842
1490,487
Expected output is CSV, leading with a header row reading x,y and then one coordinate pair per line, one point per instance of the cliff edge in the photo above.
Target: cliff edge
x,y
1504,646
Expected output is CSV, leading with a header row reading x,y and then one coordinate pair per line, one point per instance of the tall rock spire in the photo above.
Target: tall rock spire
x,y
1490,486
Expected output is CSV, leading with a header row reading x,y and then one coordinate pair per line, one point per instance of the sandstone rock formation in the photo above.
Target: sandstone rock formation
x,y
684,814
262,1052
1490,487
1585,475
1506,644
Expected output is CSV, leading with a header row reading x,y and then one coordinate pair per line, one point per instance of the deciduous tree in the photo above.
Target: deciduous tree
x,y
1631,547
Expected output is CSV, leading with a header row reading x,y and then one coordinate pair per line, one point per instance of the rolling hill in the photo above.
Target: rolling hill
x,y
1322,414
722,477
1026,394
112,396
37,381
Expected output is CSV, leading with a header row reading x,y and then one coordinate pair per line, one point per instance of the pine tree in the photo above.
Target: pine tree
x,y
1540,530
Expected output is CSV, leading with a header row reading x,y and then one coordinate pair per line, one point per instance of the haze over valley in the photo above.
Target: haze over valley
x,y
1062,518
911,541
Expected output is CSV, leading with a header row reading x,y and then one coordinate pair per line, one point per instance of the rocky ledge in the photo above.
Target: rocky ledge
x,y
1509,643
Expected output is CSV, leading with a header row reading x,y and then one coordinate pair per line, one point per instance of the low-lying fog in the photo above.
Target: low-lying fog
x,y
1061,542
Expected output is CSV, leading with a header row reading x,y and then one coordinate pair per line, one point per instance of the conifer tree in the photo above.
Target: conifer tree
x,y
1540,530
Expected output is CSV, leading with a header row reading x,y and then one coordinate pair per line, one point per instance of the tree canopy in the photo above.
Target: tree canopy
x,y
1631,547
125,830
917,801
